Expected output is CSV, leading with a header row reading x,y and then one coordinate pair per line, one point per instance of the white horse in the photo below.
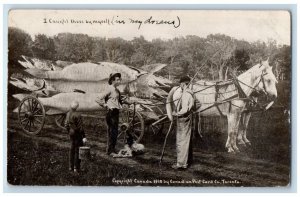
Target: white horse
x,y
226,99
245,118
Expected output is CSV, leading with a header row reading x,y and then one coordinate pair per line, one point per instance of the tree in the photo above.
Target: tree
x,y
43,47
118,50
194,52
19,43
98,51
146,52
220,49
239,61
73,47
171,51
282,65
141,48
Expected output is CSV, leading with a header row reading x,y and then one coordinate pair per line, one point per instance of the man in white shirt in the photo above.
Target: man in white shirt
x,y
112,100
184,101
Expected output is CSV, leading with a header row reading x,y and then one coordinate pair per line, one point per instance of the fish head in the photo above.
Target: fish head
x,y
26,83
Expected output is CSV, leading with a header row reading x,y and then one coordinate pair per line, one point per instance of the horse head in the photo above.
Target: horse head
x,y
267,83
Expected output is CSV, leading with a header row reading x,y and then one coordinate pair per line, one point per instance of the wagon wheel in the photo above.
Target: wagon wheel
x,y
60,120
129,124
31,115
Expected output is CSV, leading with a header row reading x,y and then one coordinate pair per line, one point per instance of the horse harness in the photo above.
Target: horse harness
x,y
241,95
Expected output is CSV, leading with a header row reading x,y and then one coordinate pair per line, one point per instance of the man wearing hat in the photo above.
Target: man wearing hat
x,y
113,102
184,101
74,126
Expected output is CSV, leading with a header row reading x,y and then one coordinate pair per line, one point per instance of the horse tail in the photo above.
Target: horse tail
x,y
170,103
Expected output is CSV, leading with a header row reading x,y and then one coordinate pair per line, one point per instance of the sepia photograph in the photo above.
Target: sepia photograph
x,y
169,98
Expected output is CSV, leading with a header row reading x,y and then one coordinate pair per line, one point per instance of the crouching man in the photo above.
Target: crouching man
x,y
74,126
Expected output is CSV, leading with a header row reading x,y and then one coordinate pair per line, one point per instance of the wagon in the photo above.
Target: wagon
x,y
32,113
32,117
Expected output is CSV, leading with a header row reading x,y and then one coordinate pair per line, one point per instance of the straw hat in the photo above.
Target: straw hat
x,y
112,76
185,79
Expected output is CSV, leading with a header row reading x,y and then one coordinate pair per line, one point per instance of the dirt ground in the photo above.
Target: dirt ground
x,y
43,159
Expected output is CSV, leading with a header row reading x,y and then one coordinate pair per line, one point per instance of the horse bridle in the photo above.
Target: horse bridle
x,y
263,82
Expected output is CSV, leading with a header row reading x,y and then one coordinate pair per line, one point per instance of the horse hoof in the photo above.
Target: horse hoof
x,y
236,149
248,143
242,144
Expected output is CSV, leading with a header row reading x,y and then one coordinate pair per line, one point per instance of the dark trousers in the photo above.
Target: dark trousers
x,y
74,160
112,120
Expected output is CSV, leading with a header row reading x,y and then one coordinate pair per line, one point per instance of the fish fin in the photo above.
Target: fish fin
x,y
54,112
157,68
153,68
20,96
43,86
16,110
150,115
136,69
39,73
145,106
79,91
26,63
161,84
158,96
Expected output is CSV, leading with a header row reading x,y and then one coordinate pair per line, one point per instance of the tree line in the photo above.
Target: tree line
x,y
215,57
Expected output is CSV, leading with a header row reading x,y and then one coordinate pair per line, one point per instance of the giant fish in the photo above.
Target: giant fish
x,y
60,103
138,88
92,78
87,71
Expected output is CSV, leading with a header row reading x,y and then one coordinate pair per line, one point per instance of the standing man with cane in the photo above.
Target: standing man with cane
x,y
184,101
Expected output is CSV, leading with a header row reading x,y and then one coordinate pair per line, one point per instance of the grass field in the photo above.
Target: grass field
x,y
43,160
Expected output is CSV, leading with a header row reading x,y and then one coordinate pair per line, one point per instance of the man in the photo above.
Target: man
x,y
73,124
184,101
112,100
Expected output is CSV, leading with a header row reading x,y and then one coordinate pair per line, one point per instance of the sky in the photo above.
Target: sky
x,y
127,24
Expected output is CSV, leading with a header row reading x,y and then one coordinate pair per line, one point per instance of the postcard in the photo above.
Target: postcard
x,y
170,98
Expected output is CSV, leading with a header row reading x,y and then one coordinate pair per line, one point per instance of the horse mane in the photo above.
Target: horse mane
x,y
252,71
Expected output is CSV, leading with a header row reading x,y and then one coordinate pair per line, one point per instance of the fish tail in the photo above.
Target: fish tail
x,y
26,63
20,97
16,110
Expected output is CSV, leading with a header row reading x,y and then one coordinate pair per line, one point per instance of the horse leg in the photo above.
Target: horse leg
x,y
233,123
237,118
247,118
227,145
244,123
